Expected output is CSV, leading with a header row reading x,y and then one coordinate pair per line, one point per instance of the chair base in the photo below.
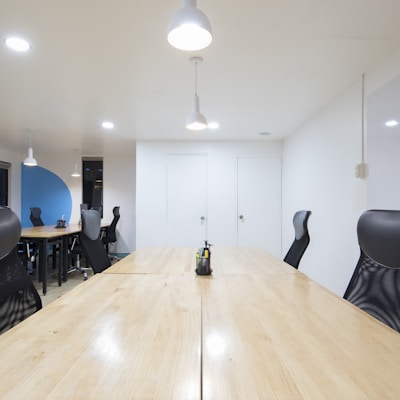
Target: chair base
x,y
77,267
113,258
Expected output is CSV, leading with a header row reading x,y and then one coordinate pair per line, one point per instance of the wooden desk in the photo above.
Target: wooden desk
x,y
112,337
261,331
42,234
182,260
285,337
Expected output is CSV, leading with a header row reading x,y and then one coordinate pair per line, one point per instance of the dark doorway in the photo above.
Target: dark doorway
x,y
92,185
4,168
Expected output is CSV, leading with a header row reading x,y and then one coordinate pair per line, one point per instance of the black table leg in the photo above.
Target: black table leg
x,y
65,257
43,263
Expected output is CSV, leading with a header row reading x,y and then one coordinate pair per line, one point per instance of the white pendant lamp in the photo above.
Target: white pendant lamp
x,y
30,161
75,172
196,121
189,29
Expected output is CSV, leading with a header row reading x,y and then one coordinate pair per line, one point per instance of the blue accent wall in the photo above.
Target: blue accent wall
x,y
42,188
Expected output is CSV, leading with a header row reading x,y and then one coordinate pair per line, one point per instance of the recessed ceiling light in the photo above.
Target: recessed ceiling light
x,y
391,123
213,125
17,44
107,125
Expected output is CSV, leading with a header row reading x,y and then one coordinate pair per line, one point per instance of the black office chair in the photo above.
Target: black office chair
x,y
375,284
29,250
111,231
301,239
35,216
36,219
92,245
18,296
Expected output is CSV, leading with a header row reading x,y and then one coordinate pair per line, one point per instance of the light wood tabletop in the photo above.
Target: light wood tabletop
x,y
286,337
263,330
165,260
177,260
113,337
48,231
43,234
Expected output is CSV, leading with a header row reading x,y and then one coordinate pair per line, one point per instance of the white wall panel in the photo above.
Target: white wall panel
x,y
221,204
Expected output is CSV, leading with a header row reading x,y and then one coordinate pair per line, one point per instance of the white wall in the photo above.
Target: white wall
x,y
318,174
384,147
120,190
151,186
384,173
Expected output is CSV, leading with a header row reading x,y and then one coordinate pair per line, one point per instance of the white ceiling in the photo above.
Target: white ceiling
x,y
271,66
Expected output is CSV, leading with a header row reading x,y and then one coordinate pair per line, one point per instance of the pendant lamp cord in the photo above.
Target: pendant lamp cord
x,y
195,77
362,118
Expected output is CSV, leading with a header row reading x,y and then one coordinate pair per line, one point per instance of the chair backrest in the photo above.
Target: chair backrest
x,y
112,231
301,239
375,284
18,296
99,209
93,247
35,216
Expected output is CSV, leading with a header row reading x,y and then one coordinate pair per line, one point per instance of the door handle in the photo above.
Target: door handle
x,y
202,218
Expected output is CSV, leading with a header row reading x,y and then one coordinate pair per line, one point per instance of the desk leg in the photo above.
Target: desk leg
x,y
43,263
61,266
65,257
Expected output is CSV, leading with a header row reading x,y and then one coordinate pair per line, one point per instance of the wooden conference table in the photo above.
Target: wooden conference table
x,y
42,235
149,328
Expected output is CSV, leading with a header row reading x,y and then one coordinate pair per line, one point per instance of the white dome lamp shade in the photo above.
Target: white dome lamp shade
x,y
30,161
189,29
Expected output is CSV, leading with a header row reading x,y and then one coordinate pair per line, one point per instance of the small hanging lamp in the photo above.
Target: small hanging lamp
x,y
75,172
30,161
196,121
189,29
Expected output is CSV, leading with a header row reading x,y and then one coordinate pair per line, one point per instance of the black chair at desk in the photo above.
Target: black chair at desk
x,y
301,239
110,235
36,219
92,245
36,216
375,284
18,296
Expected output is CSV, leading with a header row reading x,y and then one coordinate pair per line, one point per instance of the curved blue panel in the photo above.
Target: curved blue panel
x,y
42,188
